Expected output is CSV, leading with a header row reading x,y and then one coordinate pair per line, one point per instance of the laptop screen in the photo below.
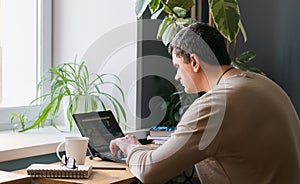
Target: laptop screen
x,y
101,127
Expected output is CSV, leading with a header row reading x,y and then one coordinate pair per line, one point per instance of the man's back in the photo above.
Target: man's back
x,y
259,138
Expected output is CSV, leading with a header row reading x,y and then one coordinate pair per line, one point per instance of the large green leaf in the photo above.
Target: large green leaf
x,y
163,26
185,4
245,67
246,57
185,22
181,12
157,13
140,7
226,16
154,5
243,31
170,32
168,28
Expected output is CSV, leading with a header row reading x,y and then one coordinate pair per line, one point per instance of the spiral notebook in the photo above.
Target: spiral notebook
x,y
58,171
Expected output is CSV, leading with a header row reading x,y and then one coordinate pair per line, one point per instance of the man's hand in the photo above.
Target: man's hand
x,y
124,144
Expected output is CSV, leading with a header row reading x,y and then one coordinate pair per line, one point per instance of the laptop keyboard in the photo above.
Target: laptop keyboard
x,y
117,158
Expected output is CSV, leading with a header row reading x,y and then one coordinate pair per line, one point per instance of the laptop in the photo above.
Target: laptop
x,y
101,127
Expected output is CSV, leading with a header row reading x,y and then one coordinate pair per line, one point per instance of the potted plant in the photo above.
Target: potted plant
x,y
71,81
175,105
223,14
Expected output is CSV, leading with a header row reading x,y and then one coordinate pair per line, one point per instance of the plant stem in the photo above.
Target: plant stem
x,y
234,49
165,4
228,46
210,19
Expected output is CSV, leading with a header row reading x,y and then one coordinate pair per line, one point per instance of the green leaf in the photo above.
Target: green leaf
x,y
140,7
40,120
256,70
118,87
170,33
154,5
184,4
226,16
245,57
70,111
94,103
163,26
180,11
72,81
185,22
240,66
116,104
243,66
243,31
101,102
157,13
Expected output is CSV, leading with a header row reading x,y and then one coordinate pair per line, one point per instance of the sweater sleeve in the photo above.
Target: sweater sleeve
x,y
180,152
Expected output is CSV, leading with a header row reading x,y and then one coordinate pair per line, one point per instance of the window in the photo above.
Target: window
x,y
25,53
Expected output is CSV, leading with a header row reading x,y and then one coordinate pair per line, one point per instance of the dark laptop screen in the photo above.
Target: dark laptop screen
x,y
101,127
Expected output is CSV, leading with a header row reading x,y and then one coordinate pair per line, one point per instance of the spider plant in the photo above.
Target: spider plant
x,y
71,81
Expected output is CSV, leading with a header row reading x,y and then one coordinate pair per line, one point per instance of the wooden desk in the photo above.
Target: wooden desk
x,y
13,178
98,175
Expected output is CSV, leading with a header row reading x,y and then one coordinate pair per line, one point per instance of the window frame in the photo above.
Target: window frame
x,y
44,60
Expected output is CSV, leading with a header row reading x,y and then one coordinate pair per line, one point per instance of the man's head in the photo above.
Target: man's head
x,y
193,48
203,40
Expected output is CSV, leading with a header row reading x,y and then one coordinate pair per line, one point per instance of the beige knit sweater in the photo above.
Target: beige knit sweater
x,y
245,130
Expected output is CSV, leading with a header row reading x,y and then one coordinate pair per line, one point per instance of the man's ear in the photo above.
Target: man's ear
x,y
195,62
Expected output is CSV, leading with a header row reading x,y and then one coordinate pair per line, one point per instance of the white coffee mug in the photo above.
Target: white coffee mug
x,y
75,147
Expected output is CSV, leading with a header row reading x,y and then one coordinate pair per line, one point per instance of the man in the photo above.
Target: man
x,y
243,130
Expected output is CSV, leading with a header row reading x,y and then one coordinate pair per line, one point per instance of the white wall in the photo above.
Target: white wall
x,y
102,33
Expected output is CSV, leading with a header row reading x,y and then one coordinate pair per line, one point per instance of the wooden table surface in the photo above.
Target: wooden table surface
x,y
13,178
98,175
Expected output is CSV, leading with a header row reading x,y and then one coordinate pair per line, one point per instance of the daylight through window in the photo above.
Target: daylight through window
x,y
19,52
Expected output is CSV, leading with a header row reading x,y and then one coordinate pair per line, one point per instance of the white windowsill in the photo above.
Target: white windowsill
x,y
14,145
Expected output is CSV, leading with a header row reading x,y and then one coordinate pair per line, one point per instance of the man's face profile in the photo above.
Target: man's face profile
x,y
183,74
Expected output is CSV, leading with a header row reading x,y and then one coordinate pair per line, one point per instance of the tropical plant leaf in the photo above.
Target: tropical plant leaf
x,y
239,65
168,9
140,7
226,16
154,5
163,26
185,22
180,11
184,4
245,57
170,32
245,67
157,13
243,31
256,70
